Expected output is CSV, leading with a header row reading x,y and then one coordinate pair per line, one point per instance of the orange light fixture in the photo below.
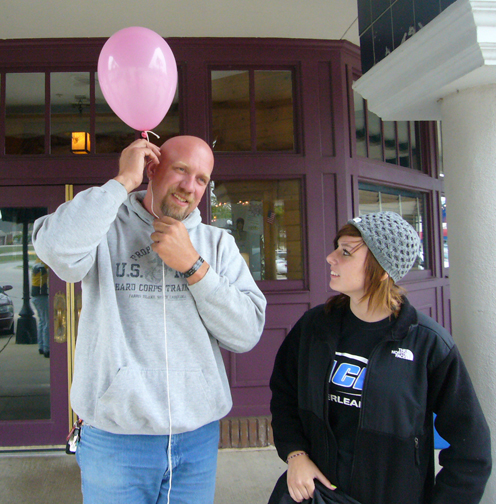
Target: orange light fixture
x,y
80,142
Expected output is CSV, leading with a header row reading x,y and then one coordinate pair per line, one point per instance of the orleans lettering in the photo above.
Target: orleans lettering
x,y
345,401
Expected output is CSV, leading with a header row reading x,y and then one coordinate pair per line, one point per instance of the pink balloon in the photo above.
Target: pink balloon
x,y
138,76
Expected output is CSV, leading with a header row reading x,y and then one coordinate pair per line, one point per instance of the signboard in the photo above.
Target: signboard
x,y
386,24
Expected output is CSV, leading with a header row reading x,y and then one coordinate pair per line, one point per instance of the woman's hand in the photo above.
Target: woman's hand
x,y
301,473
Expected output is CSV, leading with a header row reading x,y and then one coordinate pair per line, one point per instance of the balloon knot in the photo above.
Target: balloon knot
x,y
144,134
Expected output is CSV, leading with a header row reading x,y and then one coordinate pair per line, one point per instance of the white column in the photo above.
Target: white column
x,y
469,146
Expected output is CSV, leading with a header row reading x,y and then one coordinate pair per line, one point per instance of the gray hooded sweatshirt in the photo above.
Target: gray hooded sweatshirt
x,y
102,238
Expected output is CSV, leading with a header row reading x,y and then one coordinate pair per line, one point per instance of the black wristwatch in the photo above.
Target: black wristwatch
x,y
194,268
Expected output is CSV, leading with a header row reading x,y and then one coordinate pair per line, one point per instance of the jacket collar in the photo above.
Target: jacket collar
x,y
330,323
406,319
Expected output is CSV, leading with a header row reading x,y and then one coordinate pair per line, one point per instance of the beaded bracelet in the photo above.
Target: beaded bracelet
x,y
296,455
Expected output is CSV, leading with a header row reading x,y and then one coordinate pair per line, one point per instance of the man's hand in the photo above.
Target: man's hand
x,y
133,161
172,243
301,473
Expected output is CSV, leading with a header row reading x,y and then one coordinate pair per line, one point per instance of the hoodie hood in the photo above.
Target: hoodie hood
x,y
134,203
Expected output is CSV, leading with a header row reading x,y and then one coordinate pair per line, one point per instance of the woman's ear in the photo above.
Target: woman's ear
x,y
384,276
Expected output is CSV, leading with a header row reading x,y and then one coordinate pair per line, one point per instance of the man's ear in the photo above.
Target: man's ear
x,y
150,169
384,276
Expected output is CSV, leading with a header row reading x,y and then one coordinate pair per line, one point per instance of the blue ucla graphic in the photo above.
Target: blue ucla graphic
x,y
346,380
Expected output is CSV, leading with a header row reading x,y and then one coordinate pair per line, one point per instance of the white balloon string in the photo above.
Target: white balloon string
x,y
169,450
144,134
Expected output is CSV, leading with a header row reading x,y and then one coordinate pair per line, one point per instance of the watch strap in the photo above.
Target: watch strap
x,y
194,268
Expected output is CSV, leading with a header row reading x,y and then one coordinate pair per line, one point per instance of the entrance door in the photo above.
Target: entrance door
x,y
34,407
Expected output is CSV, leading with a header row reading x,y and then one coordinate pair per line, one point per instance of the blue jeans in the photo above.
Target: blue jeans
x,y
134,469
41,305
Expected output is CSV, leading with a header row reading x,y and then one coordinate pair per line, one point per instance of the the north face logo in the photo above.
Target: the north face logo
x,y
403,353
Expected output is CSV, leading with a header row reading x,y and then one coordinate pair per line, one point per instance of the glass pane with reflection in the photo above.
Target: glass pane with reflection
x,y
445,233
375,137
390,203
112,134
360,131
390,142
25,113
403,144
231,122
274,110
70,113
415,143
24,370
265,219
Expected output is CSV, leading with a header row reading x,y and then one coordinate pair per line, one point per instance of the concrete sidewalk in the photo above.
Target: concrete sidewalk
x,y
244,476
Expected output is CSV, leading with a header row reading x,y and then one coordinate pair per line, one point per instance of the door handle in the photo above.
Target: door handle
x,y
60,317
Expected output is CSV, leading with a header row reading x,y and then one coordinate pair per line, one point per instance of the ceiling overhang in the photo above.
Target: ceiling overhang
x,y
455,51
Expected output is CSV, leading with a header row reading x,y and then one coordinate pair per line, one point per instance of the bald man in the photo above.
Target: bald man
x,y
161,292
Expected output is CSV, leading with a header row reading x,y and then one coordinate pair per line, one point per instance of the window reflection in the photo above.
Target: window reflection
x,y
274,110
25,113
264,217
24,372
402,139
252,110
69,110
415,143
390,142
375,137
403,144
410,205
231,121
445,232
360,129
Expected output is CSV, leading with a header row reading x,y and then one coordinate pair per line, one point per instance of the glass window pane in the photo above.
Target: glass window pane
x,y
375,137
390,203
112,134
24,374
445,232
231,123
390,142
274,110
410,205
370,201
440,148
265,219
403,144
25,113
360,131
415,143
70,112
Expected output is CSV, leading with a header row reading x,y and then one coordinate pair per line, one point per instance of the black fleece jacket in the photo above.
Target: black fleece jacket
x,y
415,372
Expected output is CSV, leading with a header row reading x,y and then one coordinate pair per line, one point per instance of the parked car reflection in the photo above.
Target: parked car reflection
x,y
6,311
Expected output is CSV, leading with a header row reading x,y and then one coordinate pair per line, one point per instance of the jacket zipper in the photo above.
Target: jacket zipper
x,y
417,451
360,417
329,431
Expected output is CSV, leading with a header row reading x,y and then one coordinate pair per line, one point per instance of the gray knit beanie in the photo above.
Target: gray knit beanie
x,y
392,241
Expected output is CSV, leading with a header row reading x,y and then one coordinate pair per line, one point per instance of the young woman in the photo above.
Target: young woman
x,y
357,381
